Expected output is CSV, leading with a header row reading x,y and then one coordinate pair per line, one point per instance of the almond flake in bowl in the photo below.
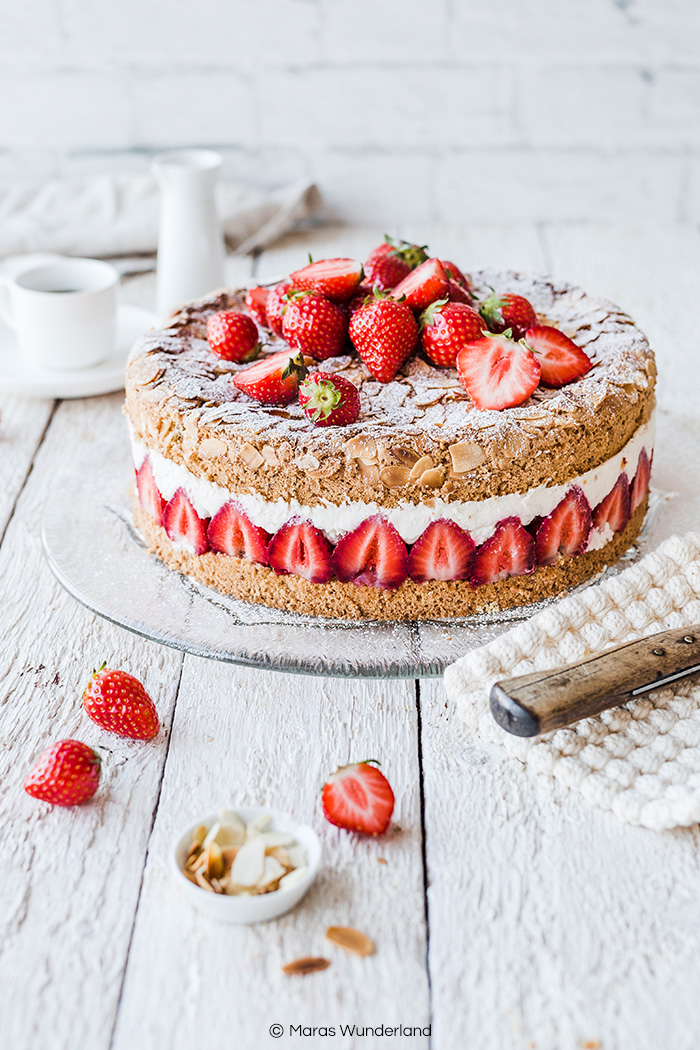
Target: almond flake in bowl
x,y
247,865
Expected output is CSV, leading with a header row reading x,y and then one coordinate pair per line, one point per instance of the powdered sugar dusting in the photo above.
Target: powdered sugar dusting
x,y
176,363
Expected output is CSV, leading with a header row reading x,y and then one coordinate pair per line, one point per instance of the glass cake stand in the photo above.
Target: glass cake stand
x,y
95,552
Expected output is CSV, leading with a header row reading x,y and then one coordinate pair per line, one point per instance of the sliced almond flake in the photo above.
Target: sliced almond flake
x,y
481,424
214,860
297,856
307,462
201,881
280,854
532,428
351,940
432,478
277,838
272,873
309,964
427,399
249,864
394,477
233,829
211,834
293,878
406,456
258,826
229,855
423,464
230,835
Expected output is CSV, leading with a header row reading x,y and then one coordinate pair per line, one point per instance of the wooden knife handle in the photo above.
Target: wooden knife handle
x,y
537,703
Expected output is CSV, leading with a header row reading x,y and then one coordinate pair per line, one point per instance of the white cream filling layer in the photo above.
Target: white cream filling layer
x,y
478,517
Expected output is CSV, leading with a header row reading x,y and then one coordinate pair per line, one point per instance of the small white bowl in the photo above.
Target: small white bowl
x,y
261,907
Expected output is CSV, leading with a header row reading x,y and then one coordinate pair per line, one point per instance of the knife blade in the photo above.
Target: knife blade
x,y
537,703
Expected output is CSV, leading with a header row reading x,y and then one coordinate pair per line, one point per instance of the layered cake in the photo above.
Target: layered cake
x,y
439,487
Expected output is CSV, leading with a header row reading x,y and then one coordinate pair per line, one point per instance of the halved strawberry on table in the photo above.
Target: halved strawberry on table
x,y
389,263
423,285
497,372
372,555
443,551
256,305
273,380
300,548
358,798
613,510
384,333
314,325
509,552
565,531
445,328
560,359
184,525
232,532
502,311
640,482
149,496
336,279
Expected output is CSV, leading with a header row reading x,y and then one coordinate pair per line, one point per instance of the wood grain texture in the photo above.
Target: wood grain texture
x,y
246,736
22,425
552,924
70,878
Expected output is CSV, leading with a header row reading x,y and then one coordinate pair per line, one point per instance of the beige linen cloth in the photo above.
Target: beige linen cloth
x,y
642,761
112,215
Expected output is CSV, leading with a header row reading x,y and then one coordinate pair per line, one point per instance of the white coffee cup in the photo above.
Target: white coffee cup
x,y
63,312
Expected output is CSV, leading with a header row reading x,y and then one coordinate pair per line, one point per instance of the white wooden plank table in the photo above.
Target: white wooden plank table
x,y
505,912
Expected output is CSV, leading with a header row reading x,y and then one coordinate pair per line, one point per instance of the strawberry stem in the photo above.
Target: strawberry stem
x,y
428,315
322,396
96,672
295,366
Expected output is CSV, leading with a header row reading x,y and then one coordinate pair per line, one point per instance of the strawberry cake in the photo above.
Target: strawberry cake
x,y
393,440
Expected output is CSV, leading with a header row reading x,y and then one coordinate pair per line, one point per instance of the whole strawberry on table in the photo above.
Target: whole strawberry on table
x,y
68,772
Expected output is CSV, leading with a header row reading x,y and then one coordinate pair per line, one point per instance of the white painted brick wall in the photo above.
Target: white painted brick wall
x,y
450,110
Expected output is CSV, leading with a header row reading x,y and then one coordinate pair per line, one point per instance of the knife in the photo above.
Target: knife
x,y
537,703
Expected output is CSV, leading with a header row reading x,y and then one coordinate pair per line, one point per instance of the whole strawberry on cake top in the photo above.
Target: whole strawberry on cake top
x,y
392,440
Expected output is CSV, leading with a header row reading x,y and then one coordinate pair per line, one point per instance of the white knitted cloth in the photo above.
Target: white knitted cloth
x,y
642,760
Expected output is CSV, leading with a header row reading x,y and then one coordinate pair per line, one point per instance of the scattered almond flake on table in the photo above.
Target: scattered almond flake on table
x,y
309,964
351,940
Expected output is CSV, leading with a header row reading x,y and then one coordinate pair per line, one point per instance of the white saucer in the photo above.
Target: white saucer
x,y
19,375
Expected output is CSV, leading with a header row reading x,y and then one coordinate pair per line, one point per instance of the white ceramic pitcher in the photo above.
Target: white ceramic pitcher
x,y
190,244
